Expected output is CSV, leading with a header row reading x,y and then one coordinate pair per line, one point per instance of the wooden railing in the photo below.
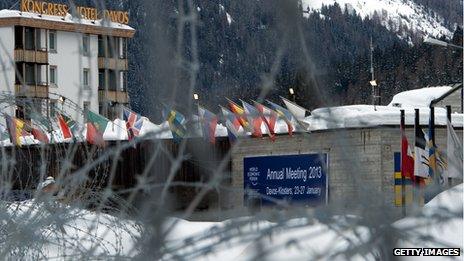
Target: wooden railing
x,y
112,63
36,91
31,56
114,96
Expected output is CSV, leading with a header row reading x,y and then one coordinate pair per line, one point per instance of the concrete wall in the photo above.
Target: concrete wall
x,y
361,162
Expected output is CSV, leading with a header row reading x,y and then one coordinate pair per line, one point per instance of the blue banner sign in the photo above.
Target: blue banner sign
x,y
300,179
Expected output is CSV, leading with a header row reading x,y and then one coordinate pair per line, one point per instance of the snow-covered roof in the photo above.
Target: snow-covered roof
x,y
68,19
418,97
355,116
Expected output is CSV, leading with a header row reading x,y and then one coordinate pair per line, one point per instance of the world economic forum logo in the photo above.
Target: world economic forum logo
x,y
253,174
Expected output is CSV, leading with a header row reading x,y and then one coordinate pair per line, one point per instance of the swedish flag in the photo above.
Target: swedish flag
x,y
176,123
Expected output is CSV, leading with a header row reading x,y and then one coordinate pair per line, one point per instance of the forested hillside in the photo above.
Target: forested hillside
x,y
239,42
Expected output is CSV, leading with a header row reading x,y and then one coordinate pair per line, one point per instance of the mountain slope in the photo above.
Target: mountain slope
x,y
406,18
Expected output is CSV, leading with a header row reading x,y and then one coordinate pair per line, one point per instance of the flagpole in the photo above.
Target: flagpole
x,y
417,187
432,125
448,116
403,179
432,165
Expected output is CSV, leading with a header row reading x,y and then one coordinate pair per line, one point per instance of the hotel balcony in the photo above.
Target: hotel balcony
x,y
112,63
39,90
113,96
31,56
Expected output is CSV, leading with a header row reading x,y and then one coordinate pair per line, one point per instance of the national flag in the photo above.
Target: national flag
x,y
269,117
96,126
231,123
94,136
176,123
454,153
98,121
421,155
40,136
285,115
39,127
134,122
134,130
240,114
208,121
297,111
76,128
64,127
434,158
38,132
407,159
254,118
15,129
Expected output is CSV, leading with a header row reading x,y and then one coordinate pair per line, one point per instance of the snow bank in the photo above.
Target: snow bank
x,y
439,225
55,231
240,239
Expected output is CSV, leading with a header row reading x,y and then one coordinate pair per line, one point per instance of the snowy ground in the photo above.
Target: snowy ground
x,y
299,239
33,230
38,230
441,220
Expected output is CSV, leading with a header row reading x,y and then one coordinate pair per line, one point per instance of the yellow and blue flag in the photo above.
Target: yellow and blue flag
x,y
176,123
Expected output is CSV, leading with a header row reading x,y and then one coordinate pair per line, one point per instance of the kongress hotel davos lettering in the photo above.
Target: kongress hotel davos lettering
x,y
89,13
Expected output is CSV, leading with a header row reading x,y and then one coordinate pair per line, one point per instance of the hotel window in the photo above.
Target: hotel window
x,y
112,48
113,80
52,107
122,77
53,76
86,78
101,79
19,43
101,46
122,48
29,38
30,74
86,45
52,41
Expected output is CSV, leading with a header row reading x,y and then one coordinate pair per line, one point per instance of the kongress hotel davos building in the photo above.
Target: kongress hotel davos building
x,y
50,53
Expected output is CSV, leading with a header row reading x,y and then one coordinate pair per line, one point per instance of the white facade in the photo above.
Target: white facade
x,y
70,62
7,65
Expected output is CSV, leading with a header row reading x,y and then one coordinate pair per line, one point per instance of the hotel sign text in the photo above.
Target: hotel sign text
x,y
89,13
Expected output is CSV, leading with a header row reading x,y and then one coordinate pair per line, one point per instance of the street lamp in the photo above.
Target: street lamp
x,y
196,97
433,41
292,94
